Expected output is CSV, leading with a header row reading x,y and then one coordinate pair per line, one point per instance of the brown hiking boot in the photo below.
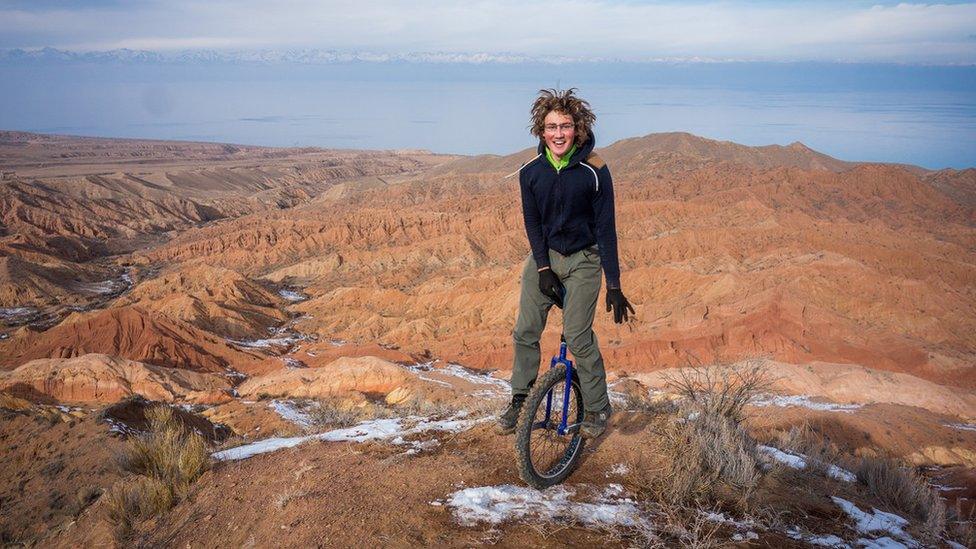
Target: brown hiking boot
x,y
595,423
508,419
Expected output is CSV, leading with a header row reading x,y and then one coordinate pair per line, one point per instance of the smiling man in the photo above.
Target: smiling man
x,y
567,203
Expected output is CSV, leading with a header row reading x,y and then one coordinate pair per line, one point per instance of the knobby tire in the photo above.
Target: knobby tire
x,y
544,457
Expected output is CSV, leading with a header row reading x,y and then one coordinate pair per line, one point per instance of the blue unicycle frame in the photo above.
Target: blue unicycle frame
x,y
563,427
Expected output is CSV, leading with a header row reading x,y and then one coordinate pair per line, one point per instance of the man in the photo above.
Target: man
x,y
567,203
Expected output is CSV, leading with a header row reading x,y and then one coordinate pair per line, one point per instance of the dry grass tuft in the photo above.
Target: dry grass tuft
x,y
136,499
420,406
961,525
679,526
168,452
904,490
164,463
330,413
820,452
636,402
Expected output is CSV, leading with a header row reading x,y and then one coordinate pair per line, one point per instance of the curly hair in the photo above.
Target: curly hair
x,y
567,103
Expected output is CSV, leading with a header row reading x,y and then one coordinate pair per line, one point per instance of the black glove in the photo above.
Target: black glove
x,y
619,304
551,287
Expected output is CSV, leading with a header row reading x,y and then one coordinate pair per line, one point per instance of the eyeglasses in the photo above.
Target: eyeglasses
x,y
551,128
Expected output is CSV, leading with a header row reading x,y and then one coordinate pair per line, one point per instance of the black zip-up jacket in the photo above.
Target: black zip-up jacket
x,y
571,209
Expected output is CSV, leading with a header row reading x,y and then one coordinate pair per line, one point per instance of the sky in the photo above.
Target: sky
x,y
842,31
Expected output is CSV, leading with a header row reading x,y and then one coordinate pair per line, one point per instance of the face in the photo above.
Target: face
x,y
559,132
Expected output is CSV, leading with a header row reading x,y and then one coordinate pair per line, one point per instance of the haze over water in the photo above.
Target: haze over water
x,y
873,112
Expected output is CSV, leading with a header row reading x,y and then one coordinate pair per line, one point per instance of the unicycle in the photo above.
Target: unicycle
x,y
547,439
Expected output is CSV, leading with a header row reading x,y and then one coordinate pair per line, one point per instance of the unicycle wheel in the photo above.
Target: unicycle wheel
x,y
544,456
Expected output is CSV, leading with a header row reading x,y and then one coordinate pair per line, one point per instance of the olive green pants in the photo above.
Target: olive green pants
x,y
581,274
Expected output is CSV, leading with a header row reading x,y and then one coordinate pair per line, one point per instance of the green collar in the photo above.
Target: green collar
x,y
564,161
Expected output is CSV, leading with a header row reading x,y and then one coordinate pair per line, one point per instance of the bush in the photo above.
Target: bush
x,y
723,390
327,413
904,490
706,449
819,451
705,454
169,452
139,498
164,462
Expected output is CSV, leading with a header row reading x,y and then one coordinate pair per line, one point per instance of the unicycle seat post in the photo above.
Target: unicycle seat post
x,y
562,347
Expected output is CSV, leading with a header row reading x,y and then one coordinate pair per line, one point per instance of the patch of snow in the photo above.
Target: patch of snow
x,y
290,412
4,336
234,374
418,369
803,401
882,543
944,488
338,342
722,519
292,295
799,461
494,386
10,313
962,426
498,504
618,469
394,429
293,363
266,343
828,540
120,428
748,536
877,522
107,287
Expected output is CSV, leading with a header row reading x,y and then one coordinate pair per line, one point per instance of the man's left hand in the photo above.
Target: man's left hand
x,y
619,304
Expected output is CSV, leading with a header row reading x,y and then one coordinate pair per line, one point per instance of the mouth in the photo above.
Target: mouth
x,y
559,142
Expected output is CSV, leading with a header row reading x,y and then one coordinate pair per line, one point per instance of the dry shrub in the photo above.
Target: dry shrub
x,y
164,463
961,525
820,452
637,402
169,452
136,499
707,451
721,390
330,413
904,490
705,455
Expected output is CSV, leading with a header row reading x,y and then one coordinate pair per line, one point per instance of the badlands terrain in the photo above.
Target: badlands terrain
x,y
336,324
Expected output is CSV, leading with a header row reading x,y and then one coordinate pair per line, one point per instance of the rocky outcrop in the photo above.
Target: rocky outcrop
x,y
217,300
101,379
367,375
129,332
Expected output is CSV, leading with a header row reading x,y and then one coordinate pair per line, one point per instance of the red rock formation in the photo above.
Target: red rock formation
x,y
128,332
101,379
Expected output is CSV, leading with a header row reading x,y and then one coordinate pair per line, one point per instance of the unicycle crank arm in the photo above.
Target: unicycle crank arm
x,y
571,428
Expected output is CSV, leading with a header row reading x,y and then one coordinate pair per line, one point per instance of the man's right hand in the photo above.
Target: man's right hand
x,y
550,286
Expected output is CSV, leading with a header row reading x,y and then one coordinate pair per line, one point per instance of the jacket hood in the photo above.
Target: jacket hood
x,y
582,151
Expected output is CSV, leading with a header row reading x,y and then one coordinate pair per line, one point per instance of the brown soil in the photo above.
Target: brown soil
x,y
53,469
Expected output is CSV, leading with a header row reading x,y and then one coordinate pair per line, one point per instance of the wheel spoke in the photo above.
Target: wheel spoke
x,y
550,452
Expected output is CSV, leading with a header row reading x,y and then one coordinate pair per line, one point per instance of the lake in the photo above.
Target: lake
x,y
891,113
